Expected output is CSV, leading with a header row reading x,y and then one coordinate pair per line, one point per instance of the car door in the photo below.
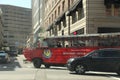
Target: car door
x,y
98,62
111,59
105,60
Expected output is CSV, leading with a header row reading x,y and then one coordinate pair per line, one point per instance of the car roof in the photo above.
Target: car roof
x,y
110,49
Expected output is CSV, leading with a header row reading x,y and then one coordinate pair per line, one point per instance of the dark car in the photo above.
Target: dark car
x,y
4,57
105,60
13,53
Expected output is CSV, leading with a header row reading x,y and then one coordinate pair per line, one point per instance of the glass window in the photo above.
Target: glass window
x,y
63,5
111,53
58,10
112,10
94,54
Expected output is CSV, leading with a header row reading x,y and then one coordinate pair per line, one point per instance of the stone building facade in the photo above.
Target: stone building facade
x,y
1,30
17,23
69,17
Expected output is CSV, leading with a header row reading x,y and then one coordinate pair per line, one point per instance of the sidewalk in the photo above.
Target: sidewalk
x,y
23,63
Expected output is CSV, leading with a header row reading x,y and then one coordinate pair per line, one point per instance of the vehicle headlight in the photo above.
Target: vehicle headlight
x,y
71,59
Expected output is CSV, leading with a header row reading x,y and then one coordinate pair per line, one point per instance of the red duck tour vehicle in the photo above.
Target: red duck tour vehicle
x,y
55,51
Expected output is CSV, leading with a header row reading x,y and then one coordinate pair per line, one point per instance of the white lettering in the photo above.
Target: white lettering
x,y
65,53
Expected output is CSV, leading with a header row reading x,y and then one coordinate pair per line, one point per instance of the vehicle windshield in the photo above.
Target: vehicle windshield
x,y
2,51
91,53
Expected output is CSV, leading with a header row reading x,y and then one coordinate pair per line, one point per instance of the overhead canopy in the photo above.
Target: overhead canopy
x,y
49,27
77,4
84,36
60,18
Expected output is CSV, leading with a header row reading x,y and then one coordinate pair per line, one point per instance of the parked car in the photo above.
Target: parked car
x,y
105,60
4,57
13,53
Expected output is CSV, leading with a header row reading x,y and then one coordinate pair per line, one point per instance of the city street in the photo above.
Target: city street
x,y
84,35
19,70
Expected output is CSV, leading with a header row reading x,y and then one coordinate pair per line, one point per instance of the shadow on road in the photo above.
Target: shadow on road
x,y
55,68
98,74
10,66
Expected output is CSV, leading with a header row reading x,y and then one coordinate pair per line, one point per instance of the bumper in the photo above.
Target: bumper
x,y
3,60
70,67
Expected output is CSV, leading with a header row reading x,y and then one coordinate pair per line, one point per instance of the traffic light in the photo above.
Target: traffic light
x,y
75,33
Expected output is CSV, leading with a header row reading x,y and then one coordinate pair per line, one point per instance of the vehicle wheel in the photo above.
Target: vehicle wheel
x,y
47,66
37,63
80,69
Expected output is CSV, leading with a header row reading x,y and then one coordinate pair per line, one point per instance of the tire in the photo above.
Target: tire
x,y
47,66
80,69
37,63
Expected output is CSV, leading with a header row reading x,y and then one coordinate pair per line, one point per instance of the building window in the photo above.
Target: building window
x,y
108,11
111,10
59,10
52,30
52,17
108,29
80,13
49,20
74,17
63,5
78,32
112,7
64,22
55,15
62,32
55,32
59,27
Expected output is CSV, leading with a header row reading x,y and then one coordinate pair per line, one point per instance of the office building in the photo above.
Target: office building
x,y
37,20
17,23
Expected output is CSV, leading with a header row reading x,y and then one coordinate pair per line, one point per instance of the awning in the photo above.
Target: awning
x,y
60,18
77,4
108,3
49,27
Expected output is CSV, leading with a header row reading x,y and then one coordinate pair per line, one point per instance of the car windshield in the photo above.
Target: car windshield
x,y
2,51
91,53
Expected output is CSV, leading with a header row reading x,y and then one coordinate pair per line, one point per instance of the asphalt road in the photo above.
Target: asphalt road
x,y
62,74
19,70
